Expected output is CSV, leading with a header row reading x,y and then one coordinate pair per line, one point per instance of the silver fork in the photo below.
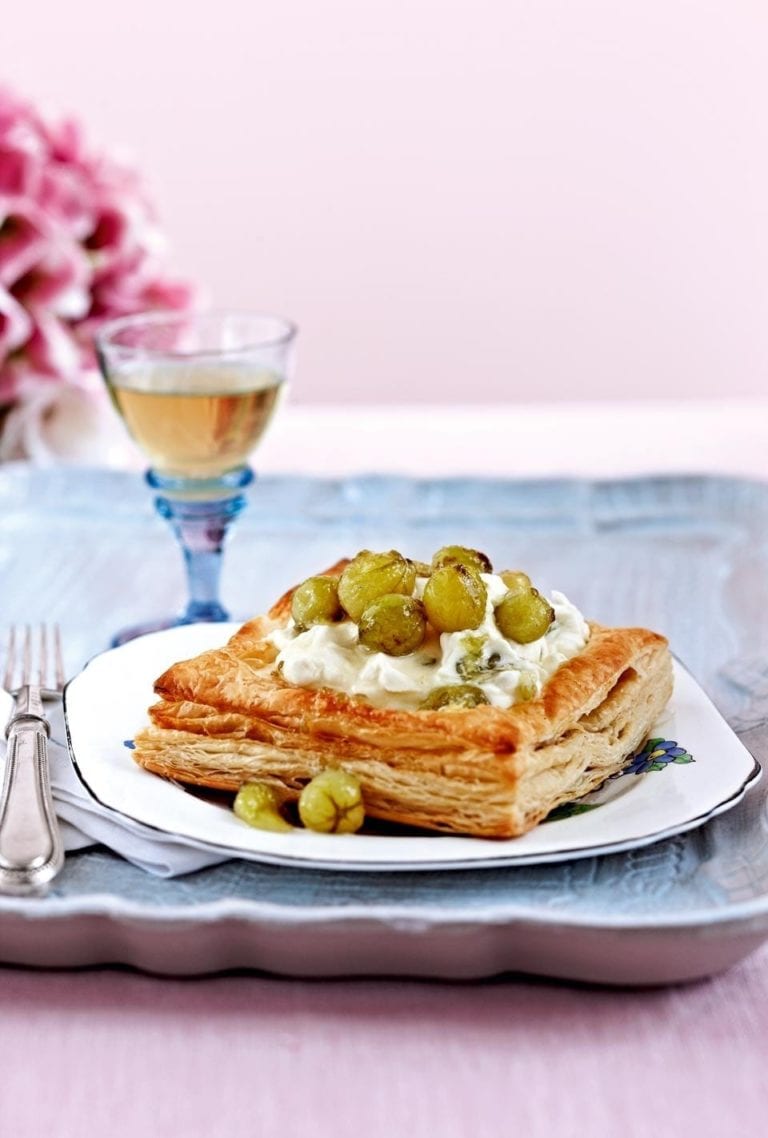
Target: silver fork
x,y
31,850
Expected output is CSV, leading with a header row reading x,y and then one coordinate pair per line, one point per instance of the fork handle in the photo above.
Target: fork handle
x,y
31,850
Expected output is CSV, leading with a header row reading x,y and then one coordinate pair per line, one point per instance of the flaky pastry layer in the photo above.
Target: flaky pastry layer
x,y
226,717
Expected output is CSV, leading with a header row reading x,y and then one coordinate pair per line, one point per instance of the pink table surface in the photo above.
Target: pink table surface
x,y
114,1053
110,1053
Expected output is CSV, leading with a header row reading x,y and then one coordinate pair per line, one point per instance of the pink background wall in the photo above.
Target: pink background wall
x,y
473,200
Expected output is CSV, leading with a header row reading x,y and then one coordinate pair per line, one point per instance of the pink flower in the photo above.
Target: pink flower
x,y
79,245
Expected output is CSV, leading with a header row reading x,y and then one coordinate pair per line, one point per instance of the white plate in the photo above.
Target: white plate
x,y
107,704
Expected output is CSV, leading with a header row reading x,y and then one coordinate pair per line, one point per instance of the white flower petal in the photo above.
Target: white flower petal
x,y
59,423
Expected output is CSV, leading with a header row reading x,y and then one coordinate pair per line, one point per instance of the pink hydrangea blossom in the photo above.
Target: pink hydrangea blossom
x,y
79,245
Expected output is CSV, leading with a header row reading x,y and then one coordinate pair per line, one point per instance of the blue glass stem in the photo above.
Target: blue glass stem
x,y
200,512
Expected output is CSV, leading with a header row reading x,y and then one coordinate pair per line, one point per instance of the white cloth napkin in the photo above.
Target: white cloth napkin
x,y
89,823
86,823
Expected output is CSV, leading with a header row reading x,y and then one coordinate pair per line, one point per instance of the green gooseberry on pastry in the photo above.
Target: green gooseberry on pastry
x,y
516,581
454,695
462,555
316,601
524,616
455,597
393,624
372,575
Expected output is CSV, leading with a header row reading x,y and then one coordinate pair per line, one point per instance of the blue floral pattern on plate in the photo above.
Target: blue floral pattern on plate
x,y
654,755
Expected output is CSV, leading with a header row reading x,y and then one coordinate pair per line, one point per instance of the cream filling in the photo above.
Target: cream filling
x,y
330,656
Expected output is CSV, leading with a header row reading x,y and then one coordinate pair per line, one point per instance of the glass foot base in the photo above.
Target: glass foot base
x,y
126,634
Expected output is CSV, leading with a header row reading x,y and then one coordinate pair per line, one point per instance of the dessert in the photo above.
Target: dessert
x,y
460,699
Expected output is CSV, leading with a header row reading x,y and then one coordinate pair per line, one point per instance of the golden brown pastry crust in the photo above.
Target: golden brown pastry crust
x,y
226,717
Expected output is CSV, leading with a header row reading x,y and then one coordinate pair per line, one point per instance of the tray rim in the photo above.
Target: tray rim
x,y
112,906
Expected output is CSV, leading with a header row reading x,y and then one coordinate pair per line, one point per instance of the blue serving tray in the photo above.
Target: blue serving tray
x,y
687,556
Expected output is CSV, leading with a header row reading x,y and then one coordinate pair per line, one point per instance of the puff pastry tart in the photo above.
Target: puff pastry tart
x,y
539,735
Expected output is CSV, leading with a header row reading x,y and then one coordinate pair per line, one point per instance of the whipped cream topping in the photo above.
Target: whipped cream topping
x,y
330,656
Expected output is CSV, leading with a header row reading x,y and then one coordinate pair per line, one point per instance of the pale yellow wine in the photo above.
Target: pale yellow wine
x,y
196,423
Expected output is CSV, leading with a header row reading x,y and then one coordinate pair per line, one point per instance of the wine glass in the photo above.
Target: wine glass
x,y
196,392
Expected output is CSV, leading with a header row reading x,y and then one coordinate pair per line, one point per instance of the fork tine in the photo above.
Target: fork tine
x,y
26,658
58,658
45,670
42,670
10,659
